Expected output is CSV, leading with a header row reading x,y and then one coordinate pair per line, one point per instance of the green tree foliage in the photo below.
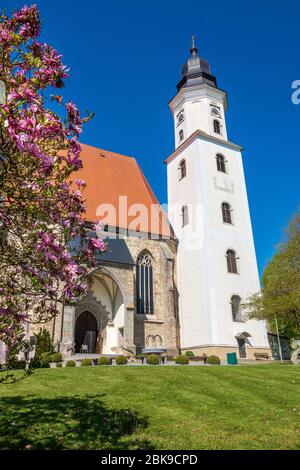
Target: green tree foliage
x,y
280,293
43,343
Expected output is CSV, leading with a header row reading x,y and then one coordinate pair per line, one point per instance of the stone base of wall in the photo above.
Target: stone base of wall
x,y
172,352
222,351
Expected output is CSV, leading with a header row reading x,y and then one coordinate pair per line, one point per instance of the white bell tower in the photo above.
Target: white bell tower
x,y
208,209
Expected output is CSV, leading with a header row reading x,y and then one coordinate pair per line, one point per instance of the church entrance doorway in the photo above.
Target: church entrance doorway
x,y
86,333
242,348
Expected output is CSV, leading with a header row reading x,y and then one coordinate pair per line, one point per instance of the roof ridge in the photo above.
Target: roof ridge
x,y
108,151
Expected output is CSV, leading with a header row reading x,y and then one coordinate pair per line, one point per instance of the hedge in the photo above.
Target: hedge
x,y
70,363
213,360
86,362
182,360
189,354
103,361
121,360
152,359
56,357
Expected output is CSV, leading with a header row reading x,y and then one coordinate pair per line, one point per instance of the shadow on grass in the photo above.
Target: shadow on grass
x,y
68,423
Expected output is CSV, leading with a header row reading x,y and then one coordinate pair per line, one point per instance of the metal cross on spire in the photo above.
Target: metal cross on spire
x,y
194,49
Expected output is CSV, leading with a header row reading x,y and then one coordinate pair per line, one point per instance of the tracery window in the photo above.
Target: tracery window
x,y
144,284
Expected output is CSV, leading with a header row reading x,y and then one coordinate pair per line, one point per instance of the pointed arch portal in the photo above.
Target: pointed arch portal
x,y
86,332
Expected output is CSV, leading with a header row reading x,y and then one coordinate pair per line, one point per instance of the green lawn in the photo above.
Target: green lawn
x,y
215,407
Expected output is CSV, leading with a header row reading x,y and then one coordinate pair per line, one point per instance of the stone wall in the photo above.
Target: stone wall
x,y
137,328
163,322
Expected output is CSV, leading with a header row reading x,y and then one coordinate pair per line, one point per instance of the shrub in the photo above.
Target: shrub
x,y
35,363
14,363
21,364
189,354
70,363
152,359
45,359
182,359
213,360
86,362
59,364
43,343
120,360
103,361
56,357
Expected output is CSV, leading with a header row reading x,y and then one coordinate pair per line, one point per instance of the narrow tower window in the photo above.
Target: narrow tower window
x,y
226,213
231,261
182,169
221,163
144,284
181,135
185,215
236,308
217,126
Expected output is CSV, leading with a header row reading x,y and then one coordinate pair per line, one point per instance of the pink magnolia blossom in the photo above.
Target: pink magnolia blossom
x,y
99,244
40,210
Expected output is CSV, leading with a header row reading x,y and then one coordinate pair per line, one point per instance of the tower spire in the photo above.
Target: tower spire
x,y
195,70
194,49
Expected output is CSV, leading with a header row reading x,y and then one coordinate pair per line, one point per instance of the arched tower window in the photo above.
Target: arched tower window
x,y
236,308
184,215
144,284
180,117
221,163
231,261
217,126
182,169
226,213
181,135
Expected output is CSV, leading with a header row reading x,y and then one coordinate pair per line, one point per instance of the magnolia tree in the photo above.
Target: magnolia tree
x,y
41,203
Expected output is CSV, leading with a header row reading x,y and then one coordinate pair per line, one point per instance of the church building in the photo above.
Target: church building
x,y
171,281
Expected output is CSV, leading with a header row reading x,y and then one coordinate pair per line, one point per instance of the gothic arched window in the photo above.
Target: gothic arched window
x,y
231,261
158,342
150,342
217,126
221,163
236,308
144,284
181,135
226,213
184,215
182,169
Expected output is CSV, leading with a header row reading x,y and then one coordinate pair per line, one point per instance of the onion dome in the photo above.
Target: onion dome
x,y
196,70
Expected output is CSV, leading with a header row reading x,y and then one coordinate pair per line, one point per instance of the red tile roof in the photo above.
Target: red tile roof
x,y
109,176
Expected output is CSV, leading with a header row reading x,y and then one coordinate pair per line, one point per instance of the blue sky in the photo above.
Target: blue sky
x,y
125,58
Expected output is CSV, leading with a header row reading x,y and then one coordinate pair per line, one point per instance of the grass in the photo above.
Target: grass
x,y
244,407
